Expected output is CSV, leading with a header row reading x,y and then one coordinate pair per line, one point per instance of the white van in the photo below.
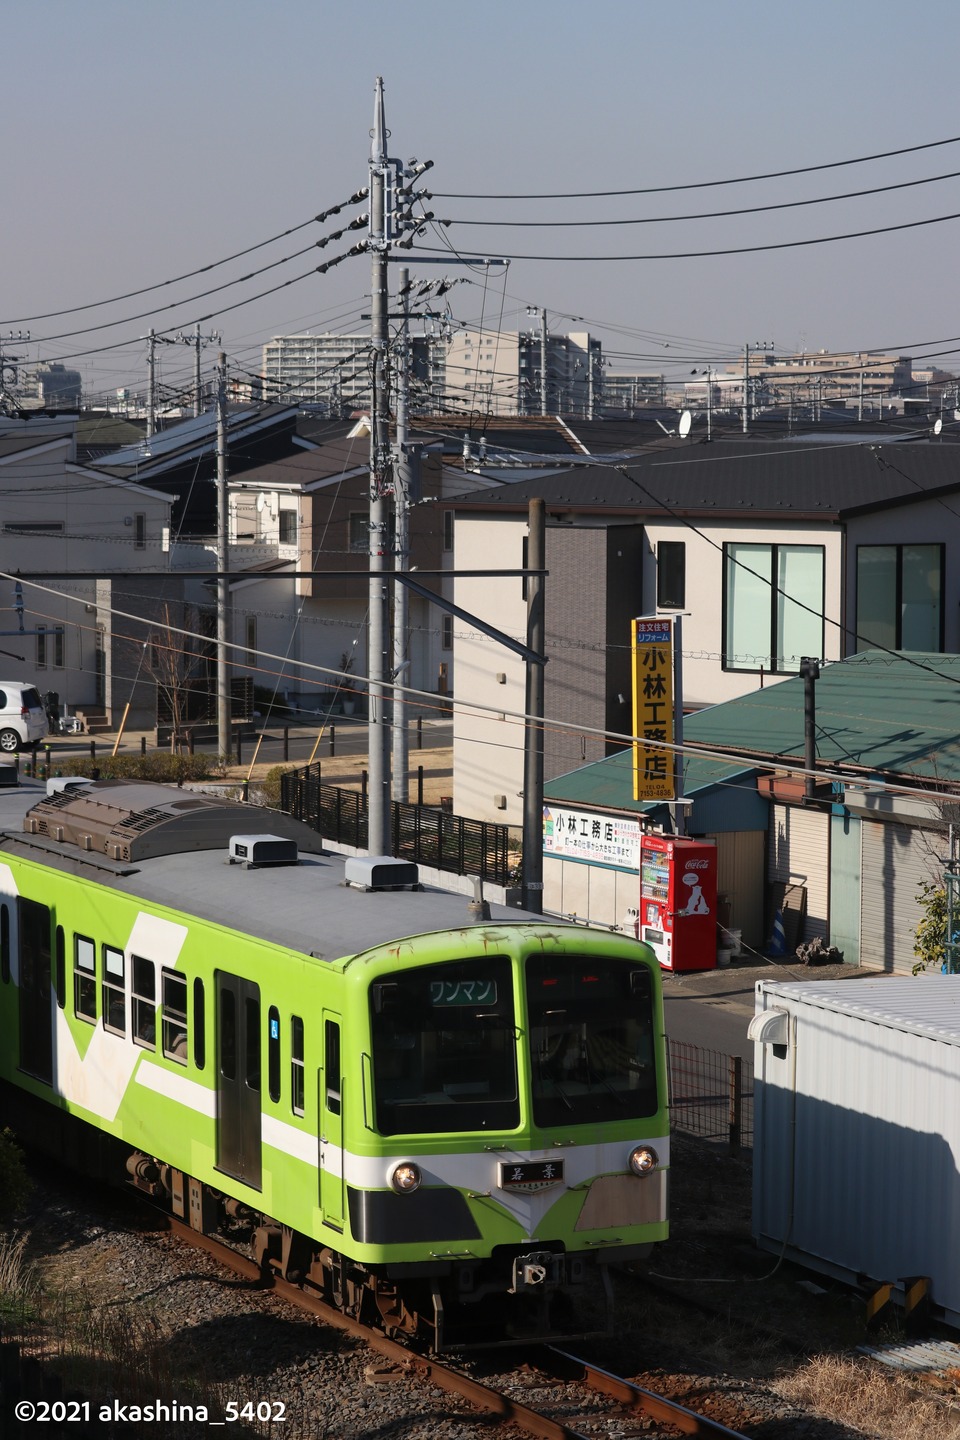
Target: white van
x,y
23,720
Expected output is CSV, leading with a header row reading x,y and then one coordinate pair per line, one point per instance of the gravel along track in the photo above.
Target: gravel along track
x,y
157,1320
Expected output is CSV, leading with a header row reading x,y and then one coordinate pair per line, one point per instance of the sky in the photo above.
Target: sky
x,y
146,141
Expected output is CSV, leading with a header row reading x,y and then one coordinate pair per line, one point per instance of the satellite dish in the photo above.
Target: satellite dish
x,y
686,421
261,501
937,426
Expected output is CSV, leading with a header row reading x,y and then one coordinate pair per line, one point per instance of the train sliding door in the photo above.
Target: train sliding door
x,y
238,1078
35,997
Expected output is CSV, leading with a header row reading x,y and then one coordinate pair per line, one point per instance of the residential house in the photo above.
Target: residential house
x,y
92,554
767,550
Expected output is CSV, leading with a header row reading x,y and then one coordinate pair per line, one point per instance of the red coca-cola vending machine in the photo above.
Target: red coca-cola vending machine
x,y
678,901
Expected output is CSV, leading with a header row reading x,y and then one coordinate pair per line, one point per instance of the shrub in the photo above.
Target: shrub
x,y
14,1180
931,938
155,765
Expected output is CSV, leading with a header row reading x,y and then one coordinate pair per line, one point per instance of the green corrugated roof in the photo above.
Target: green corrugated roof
x,y
881,712
896,713
608,784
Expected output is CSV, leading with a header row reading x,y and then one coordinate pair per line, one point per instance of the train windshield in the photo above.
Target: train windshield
x,y
444,1048
591,1040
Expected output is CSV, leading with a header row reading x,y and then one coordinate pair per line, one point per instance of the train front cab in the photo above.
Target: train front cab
x,y
519,1100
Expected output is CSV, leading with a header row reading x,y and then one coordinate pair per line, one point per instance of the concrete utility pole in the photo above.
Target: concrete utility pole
x,y
151,384
401,604
379,792
224,738
533,734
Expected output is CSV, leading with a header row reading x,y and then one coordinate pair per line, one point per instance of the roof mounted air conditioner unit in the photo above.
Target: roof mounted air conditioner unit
x,y
255,851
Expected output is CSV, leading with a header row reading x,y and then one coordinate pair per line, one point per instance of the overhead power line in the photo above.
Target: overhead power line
x,y
702,184
729,250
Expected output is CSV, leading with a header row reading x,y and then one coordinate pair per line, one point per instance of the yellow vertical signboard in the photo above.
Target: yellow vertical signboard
x,y
652,647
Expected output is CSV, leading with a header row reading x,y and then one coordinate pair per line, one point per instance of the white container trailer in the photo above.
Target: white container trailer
x,y
857,1129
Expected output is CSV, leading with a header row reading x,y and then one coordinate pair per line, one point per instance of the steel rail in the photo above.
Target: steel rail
x,y
434,1371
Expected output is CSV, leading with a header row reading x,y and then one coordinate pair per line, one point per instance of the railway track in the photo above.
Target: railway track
x,y
546,1364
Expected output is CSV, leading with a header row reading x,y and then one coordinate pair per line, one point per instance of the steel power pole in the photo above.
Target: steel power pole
x,y
382,176
224,738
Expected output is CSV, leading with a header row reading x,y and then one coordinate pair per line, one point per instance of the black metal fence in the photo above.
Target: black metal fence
x,y
711,1095
418,832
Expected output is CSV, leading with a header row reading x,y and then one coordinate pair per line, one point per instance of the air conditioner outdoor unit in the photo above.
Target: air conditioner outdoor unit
x,y
253,851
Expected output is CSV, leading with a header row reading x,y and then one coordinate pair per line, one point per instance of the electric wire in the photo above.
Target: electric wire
x,y
705,184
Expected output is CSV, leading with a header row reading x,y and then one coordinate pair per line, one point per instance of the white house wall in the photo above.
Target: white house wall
x,y
488,744
100,533
488,749
705,682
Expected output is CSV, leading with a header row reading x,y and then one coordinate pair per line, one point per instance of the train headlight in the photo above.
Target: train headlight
x,y
406,1178
643,1160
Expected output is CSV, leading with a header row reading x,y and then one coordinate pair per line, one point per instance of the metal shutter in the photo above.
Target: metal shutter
x,y
896,860
798,853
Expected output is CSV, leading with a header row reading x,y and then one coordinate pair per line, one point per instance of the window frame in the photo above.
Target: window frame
x,y
774,547
84,978
899,547
173,1021
298,1073
113,989
671,571
142,1004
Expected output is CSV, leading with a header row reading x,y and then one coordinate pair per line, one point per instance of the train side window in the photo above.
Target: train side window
x,y
5,943
331,1066
60,967
173,1011
114,991
296,1065
228,1034
144,996
251,1059
273,1053
199,1025
85,979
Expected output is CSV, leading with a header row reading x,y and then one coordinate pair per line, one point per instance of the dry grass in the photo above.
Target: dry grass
x,y
870,1399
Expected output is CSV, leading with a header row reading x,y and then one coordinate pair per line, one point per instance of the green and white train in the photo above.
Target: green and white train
x,y
444,1120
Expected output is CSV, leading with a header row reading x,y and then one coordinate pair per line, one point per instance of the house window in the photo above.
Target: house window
x,y
772,606
448,529
114,997
288,527
671,574
41,647
359,531
446,632
139,532
251,639
900,597
58,647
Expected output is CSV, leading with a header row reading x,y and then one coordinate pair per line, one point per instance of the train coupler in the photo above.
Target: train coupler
x,y
539,1269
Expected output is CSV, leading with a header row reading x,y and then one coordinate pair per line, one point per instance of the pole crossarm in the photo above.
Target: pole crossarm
x,y
516,646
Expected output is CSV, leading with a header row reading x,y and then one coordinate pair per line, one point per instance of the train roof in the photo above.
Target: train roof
x,y
171,847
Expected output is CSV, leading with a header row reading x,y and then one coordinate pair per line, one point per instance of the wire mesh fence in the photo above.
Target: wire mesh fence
x,y
711,1094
